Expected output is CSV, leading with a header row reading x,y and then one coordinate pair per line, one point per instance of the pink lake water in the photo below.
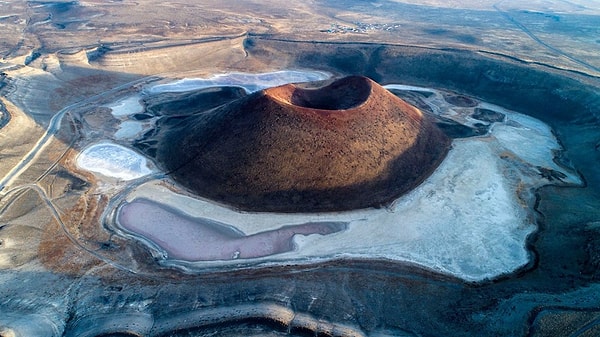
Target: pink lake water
x,y
187,238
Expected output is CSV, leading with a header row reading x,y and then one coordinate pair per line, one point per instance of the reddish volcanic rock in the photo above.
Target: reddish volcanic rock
x,y
351,144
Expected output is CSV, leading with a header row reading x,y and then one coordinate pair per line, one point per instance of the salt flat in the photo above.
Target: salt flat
x,y
113,161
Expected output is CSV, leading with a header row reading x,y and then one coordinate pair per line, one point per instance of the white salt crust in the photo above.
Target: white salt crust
x,y
113,161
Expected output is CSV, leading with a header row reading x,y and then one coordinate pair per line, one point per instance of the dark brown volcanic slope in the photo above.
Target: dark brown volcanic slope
x,y
351,144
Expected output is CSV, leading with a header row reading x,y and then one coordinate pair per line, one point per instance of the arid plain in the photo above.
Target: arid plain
x,y
66,66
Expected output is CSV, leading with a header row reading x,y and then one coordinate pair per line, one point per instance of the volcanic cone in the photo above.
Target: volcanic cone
x,y
350,144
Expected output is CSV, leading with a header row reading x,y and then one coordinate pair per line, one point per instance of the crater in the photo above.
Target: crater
x,y
340,95
460,101
488,115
